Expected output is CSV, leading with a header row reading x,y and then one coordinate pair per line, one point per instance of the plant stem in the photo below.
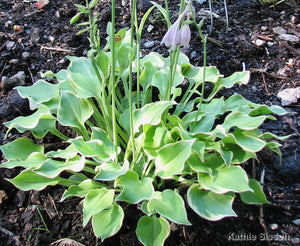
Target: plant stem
x,y
113,68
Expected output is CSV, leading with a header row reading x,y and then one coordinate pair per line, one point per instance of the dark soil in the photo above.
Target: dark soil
x,y
34,41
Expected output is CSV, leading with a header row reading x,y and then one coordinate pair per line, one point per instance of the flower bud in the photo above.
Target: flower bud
x,y
185,35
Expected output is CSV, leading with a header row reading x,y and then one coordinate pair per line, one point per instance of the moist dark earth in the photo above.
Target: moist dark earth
x,y
36,40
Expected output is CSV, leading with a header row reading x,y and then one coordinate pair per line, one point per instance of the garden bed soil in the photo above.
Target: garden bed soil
x,y
36,40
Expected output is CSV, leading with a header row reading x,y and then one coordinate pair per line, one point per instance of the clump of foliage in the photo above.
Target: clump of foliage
x,y
151,146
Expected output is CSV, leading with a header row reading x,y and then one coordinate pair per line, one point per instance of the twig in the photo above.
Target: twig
x,y
57,49
294,50
265,84
264,37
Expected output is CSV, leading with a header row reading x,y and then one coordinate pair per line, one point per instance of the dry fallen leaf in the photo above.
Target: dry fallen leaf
x,y
41,3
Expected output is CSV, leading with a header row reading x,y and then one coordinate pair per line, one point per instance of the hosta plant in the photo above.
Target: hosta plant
x,y
139,130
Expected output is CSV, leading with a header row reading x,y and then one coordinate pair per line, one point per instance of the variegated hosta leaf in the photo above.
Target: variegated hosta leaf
x,y
73,111
20,149
96,201
134,189
52,168
108,222
29,180
39,123
209,205
170,205
171,158
81,189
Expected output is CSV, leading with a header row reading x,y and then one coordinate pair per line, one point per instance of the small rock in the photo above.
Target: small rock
x,y
35,35
264,28
13,61
295,240
273,226
9,44
193,55
16,105
289,37
150,28
260,42
296,222
3,196
149,44
279,30
124,2
25,55
289,96
8,83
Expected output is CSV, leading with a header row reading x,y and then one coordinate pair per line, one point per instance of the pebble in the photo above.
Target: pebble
x,y
264,28
260,42
273,226
289,37
124,2
9,44
150,28
193,55
3,196
13,61
289,96
149,44
279,30
35,35
296,222
9,83
25,55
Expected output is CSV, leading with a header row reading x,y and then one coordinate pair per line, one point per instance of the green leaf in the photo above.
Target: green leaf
x,y
243,121
248,140
239,155
152,231
34,160
99,134
96,201
256,197
93,148
171,158
93,3
108,222
52,168
155,138
35,93
102,61
235,78
197,165
110,171
81,189
75,18
170,205
73,111
221,180
39,123
209,205
134,190
149,114
196,74
20,149
29,180
67,153
84,78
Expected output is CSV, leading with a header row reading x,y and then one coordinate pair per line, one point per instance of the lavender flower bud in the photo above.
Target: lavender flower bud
x,y
185,35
